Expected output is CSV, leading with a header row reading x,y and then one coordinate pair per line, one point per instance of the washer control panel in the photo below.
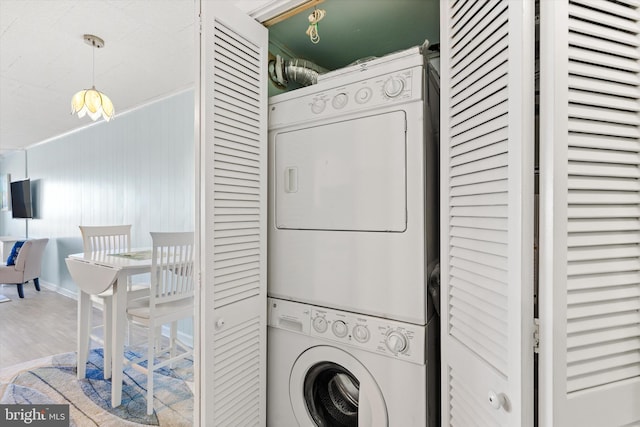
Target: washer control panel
x,y
327,101
391,338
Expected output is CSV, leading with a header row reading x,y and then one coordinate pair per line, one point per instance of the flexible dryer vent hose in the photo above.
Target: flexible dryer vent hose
x,y
300,71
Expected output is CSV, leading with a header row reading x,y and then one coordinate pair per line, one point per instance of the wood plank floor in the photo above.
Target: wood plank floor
x,y
38,325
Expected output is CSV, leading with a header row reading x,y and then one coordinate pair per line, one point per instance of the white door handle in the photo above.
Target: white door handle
x,y
220,323
496,400
291,180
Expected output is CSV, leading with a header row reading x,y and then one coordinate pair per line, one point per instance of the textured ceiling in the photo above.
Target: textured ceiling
x,y
148,54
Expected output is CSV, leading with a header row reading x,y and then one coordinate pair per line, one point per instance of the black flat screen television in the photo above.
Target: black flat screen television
x,y
21,199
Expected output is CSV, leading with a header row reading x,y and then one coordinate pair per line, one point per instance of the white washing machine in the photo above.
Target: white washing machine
x,y
332,368
353,211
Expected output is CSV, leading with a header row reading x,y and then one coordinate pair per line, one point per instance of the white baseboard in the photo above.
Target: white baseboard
x,y
187,339
58,289
182,337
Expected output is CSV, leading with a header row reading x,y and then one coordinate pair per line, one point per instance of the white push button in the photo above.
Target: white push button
x,y
363,95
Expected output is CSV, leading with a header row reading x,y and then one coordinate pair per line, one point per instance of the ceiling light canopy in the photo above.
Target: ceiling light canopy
x,y
92,102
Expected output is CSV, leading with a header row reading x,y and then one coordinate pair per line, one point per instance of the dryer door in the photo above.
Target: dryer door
x,y
330,388
346,176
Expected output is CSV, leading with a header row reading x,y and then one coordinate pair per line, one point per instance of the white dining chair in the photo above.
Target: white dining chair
x,y
170,299
109,239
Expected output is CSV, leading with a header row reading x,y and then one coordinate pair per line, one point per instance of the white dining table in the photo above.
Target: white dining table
x,y
95,273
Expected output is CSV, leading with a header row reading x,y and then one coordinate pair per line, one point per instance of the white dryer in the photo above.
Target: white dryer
x,y
339,369
353,191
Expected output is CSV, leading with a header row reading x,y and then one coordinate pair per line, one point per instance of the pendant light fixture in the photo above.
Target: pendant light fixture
x,y
92,101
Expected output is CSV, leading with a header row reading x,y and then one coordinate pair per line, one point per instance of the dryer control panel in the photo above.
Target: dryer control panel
x,y
328,100
399,340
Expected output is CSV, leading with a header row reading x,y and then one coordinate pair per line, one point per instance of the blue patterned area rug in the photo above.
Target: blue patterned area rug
x,y
53,380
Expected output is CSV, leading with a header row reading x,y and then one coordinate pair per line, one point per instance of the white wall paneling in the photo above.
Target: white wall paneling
x,y
15,165
137,169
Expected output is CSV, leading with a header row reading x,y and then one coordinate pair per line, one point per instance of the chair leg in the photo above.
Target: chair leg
x,y
127,337
20,290
150,362
158,342
36,282
172,342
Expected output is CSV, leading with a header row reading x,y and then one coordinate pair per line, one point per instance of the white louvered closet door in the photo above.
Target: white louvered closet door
x,y
232,216
590,213
487,197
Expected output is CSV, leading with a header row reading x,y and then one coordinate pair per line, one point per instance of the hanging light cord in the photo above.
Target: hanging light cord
x,y
93,65
314,18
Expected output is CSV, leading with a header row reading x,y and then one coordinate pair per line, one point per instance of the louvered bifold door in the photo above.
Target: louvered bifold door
x,y
590,213
232,217
487,197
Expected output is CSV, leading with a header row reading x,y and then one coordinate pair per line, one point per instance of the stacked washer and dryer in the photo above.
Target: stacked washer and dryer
x,y
353,238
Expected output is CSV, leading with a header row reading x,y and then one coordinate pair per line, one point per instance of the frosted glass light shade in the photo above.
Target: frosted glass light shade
x,y
92,102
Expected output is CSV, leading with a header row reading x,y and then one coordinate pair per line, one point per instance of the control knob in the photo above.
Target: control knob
x,y
317,106
320,324
361,333
393,86
397,342
363,95
340,100
339,328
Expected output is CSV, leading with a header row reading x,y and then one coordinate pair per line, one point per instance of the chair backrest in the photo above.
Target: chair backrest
x,y
171,267
29,259
106,238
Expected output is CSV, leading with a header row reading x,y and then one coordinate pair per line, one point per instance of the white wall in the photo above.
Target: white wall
x,y
137,169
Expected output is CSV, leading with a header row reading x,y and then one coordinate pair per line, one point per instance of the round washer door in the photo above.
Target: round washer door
x,y
329,387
